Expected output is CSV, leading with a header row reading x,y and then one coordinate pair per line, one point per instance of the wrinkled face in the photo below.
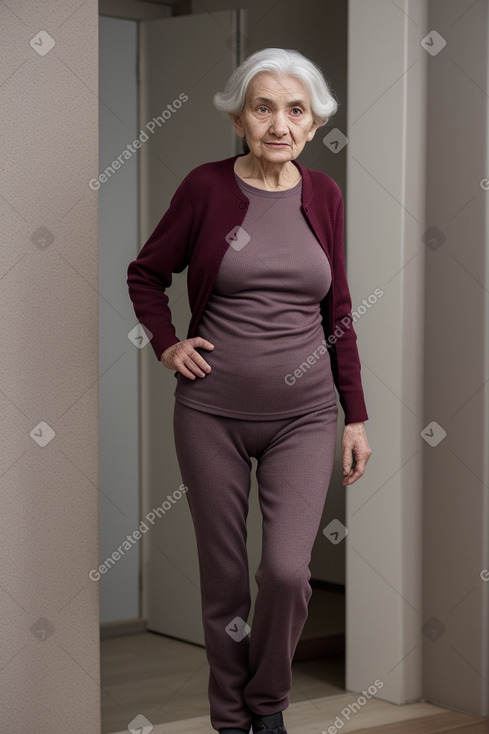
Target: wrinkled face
x,y
277,118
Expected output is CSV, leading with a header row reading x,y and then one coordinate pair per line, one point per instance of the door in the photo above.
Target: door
x,y
183,130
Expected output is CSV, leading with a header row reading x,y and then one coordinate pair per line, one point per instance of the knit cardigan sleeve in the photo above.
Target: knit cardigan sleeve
x,y
150,274
345,361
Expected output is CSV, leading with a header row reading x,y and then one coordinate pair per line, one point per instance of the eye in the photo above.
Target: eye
x,y
297,109
261,108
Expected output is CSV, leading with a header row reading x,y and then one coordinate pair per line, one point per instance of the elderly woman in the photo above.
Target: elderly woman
x,y
270,338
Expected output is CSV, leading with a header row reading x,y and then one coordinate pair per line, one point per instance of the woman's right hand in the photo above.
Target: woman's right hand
x,y
183,357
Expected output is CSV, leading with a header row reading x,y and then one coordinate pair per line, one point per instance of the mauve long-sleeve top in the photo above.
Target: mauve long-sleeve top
x,y
269,359
204,222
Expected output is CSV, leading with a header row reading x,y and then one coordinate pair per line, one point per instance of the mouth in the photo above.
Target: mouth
x,y
278,145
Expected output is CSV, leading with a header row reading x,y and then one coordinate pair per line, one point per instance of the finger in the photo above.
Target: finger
x,y
185,364
348,459
352,477
193,368
199,341
356,472
183,369
196,364
200,362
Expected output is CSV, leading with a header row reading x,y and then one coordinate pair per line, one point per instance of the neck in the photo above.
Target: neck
x,y
270,175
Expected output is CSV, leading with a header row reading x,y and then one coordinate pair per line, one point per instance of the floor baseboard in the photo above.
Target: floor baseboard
x,y
124,627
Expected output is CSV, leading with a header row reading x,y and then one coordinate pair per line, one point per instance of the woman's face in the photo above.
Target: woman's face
x,y
277,117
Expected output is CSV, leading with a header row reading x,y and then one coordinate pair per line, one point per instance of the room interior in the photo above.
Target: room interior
x,y
404,598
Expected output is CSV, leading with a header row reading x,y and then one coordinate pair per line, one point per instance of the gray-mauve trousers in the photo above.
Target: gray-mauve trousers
x,y
252,672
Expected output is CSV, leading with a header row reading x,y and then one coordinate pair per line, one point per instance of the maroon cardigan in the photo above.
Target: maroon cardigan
x,y
192,232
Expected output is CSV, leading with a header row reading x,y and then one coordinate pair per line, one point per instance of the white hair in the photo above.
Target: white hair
x,y
278,61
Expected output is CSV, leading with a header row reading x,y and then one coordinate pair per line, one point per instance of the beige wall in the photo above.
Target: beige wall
x,y
417,607
386,201
456,479
49,677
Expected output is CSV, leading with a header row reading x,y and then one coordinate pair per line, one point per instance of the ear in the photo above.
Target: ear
x,y
236,120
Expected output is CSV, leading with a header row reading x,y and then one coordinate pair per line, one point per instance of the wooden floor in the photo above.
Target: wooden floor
x,y
449,723
165,680
444,723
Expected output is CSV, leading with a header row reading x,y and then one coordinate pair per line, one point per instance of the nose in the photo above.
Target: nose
x,y
279,124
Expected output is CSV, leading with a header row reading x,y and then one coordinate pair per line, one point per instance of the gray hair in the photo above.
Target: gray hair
x,y
278,61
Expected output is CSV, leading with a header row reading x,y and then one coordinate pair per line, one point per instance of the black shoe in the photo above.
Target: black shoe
x,y
234,731
269,724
